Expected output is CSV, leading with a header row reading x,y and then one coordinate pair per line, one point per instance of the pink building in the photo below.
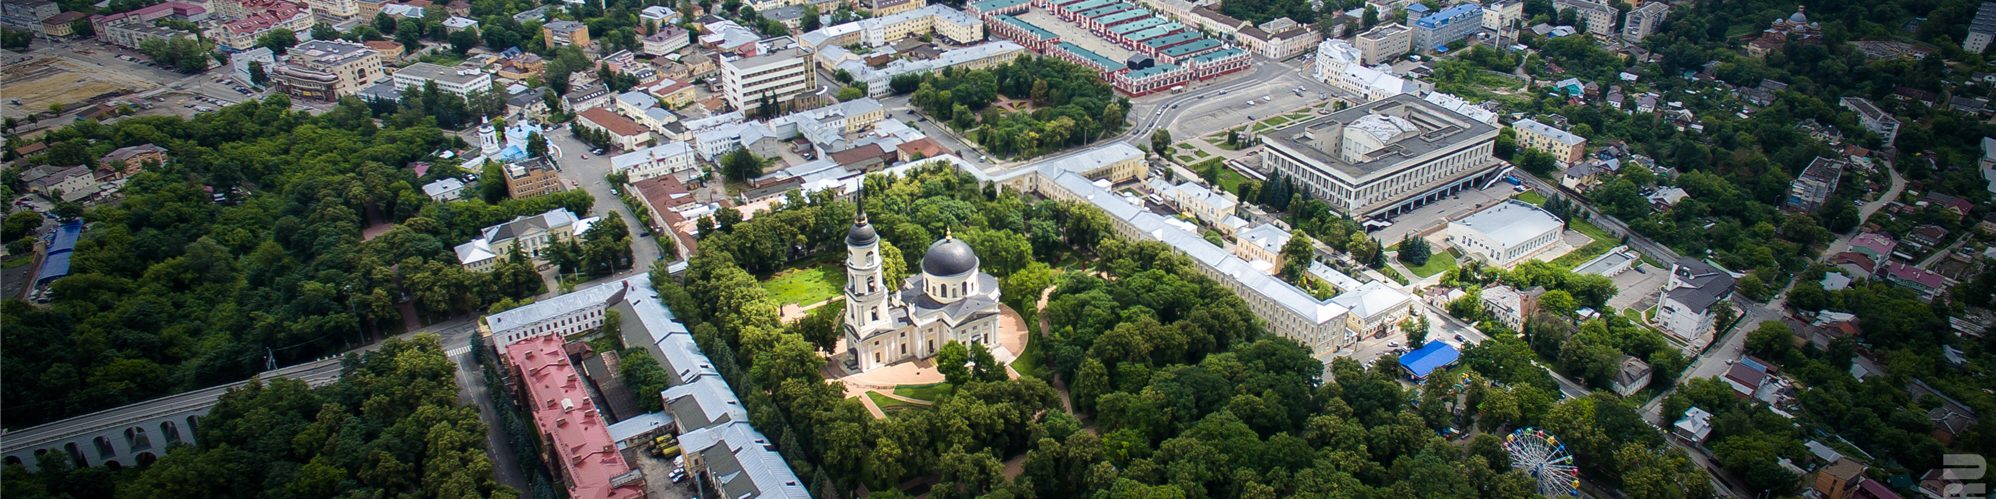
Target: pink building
x,y
574,437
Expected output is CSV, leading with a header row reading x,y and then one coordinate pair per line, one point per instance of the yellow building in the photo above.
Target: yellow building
x,y
1564,147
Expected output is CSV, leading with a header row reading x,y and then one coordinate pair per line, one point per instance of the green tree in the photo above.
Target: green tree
x,y
1416,329
1297,254
950,361
18,224
1414,250
464,40
740,165
277,40
1160,142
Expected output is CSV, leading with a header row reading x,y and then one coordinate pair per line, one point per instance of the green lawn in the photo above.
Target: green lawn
x,y
1602,243
1028,363
17,260
930,392
891,405
1532,197
1229,180
1440,262
815,283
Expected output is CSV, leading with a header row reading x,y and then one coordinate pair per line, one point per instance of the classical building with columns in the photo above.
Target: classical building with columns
x,y
951,300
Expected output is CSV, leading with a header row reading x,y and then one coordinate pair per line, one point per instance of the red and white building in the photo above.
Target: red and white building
x,y
575,438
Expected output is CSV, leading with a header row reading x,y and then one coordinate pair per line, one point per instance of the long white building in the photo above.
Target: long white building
x,y
1384,157
1330,325
1342,65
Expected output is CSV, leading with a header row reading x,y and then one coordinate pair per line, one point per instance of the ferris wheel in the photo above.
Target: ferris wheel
x,y
1540,455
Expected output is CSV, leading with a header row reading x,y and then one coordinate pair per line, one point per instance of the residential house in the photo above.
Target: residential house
x,y
1510,306
625,134
1633,376
530,233
1686,307
126,161
61,183
1925,282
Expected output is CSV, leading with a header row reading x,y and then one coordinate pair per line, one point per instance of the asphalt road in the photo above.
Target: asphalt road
x,y
588,174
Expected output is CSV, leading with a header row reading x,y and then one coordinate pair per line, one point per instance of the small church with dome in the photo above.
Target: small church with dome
x,y
950,300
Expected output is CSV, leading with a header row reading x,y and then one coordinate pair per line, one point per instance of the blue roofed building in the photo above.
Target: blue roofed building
x,y
1424,361
61,245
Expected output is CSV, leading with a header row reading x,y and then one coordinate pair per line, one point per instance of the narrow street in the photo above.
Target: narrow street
x,y
588,174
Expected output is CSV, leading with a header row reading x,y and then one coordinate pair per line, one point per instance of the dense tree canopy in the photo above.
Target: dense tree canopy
x,y
170,290
1070,105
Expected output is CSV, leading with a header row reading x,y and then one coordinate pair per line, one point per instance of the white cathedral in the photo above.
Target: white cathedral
x,y
952,300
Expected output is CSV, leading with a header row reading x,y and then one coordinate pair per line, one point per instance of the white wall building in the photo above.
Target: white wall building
x,y
780,73
1340,64
1505,234
671,158
1386,156
1685,309
460,81
951,300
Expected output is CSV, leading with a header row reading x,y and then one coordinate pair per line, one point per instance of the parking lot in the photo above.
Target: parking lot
x,y
1231,109
1638,287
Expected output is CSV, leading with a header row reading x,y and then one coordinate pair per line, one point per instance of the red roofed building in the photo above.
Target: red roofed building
x,y
675,209
575,439
624,134
920,148
257,17
1927,283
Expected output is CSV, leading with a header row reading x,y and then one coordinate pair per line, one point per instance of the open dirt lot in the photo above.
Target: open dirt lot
x,y
40,81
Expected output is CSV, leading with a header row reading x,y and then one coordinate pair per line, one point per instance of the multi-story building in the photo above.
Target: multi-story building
x,y
251,19
1338,63
1384,157
530,234
1279,39
348,66
574,432
1595,17
781,74
667,40
1510,306
1261,243
625,134
1685,309
1503,16
981,56
1565,147
673,158
459,81
891,7
1814,185
1434,32
1644,21
27,14
1981,30
564,33
62,25
1383,42
126,161
132,29
1874,119
1209,206
334,10
532,177
1505,234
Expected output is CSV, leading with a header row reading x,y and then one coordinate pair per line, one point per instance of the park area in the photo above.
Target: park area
x,y
812,282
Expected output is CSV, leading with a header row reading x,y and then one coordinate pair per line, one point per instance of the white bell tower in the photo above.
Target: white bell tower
x,y
488,139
